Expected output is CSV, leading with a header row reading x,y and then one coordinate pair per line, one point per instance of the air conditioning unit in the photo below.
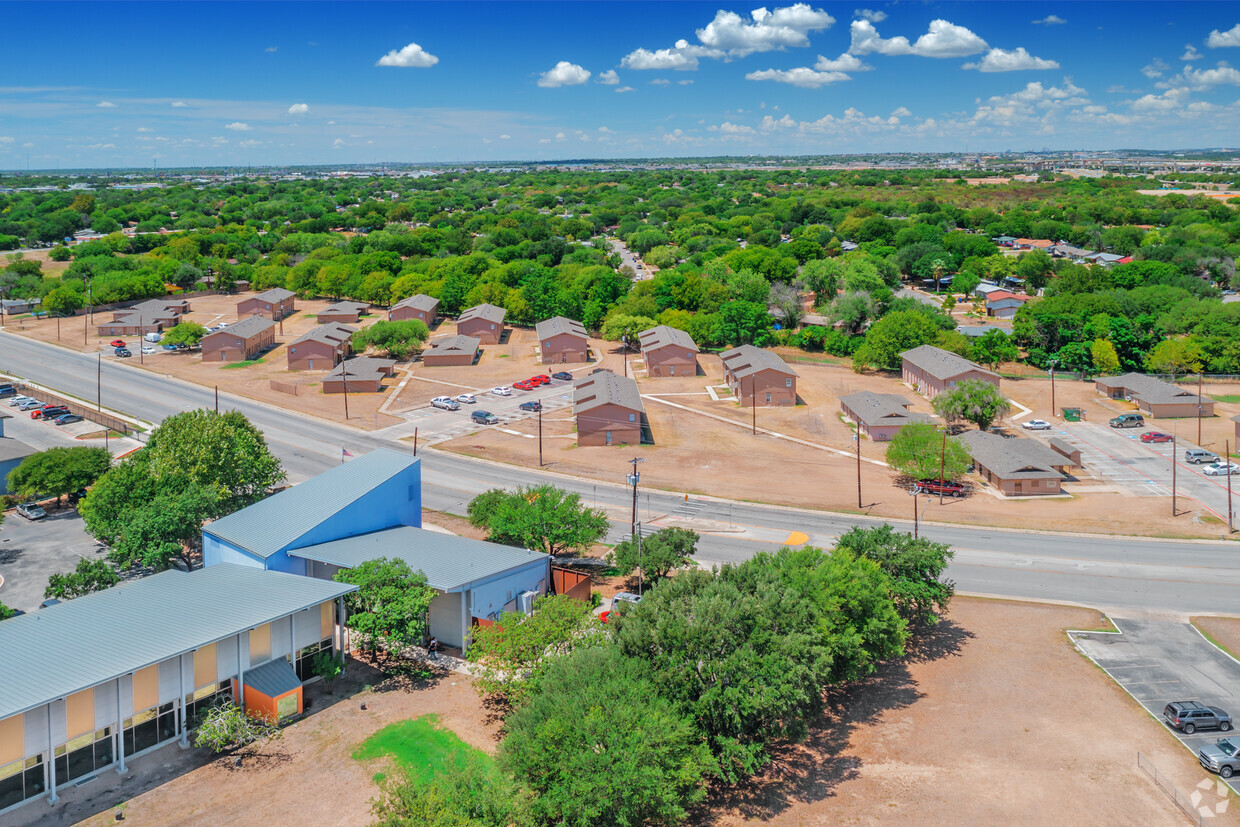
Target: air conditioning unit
x,y
525,602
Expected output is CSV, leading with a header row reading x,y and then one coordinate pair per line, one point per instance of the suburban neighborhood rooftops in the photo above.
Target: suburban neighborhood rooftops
x,y
999,295
271,524
881,408
275,294
489,312
79,643
665,336
747,359
364,368
244,329
1012,459
345,307
939,363
1147,388
606,388
419,302
332,333
455,344
449,562
557,325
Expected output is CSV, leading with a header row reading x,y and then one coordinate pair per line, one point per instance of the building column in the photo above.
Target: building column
x,y
184,742
338,632
464,621
52,798
120,730
292,642
243,651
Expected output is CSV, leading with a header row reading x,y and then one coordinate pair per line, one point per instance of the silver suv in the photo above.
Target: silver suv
x,y
1190,716
1199,455
1222,757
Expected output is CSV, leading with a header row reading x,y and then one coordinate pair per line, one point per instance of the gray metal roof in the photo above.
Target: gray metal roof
x,y
483,311
332,333
941,364
419,302
606,388
665,336
457,344
881,409
747,359
247,327
449,562
557,325
79,643
274,295
1149,389
14,449
273,678
272,524
345,307
975,330
1012,459
364,368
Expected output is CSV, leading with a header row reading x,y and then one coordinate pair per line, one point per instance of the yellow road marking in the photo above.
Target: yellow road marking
x,y
796,538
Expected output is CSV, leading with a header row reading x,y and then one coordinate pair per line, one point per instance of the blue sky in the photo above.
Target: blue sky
x,y
123,84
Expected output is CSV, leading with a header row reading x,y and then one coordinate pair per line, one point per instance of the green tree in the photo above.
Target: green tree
x,y
598,744
892,335
328,665
993,348
915,566
185,333
972,401
477,794
625,328
1035,268
1175,356
788,304
391,608
918,448
90,575
6,612
1104,357
966,282
823,276
63,300
661,553
58,471
226,727
510,656
399,340
540,517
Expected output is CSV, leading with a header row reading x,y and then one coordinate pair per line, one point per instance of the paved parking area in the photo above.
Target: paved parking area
x,y
31,551
436,425
1159,661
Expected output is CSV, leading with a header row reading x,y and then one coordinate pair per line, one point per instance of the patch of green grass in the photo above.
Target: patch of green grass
x,y
420,747
1230,398
245,363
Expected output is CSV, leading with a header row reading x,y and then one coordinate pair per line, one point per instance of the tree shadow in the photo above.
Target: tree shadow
x,y
812,769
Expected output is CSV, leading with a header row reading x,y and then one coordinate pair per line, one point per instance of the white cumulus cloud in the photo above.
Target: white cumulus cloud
x,y
685,82
843,63
769,123
1016,60
1050,20
505,137
901,112
943,39
412,56
563,74
1155,69
238,126
1205,78
609,78
299,109
871,15
681,58
765,30
105,105
7,139
729,128
803,76
1171,100
660,82
544,140
1191,53
1222,40
623,89
179,104
144,129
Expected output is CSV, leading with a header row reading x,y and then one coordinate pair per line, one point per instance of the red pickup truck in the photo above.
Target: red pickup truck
x,y
951,489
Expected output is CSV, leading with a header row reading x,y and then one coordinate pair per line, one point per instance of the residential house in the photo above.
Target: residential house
x,y
1016,467
151,316
1154,397
11,307
452,350
484,322
361,374
562,340
930,370
669,352
1004,240
608,409
275,304
322,348
420,307
1002,304
97,681
879,416
757,376
976,331
241,341
342,312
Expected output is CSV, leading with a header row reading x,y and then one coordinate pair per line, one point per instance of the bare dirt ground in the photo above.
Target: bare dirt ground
x,y
1225,631
699,439
969,729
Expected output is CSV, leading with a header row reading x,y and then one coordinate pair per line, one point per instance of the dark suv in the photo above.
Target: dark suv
x,y
1190,716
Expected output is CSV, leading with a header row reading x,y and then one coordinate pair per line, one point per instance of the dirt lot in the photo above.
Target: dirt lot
x,y
697,438
908,745
1225,631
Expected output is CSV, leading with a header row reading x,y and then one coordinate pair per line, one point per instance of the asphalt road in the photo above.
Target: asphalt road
x,y
1107,572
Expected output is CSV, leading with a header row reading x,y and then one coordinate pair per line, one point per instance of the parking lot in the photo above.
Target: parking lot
x,y
1159,661
30,551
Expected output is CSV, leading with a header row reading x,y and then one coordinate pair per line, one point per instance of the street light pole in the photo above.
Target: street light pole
x,y
942,466
540,453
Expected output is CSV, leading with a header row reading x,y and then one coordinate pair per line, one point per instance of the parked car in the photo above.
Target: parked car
x,y
149,348
30,404
7,391
467,398
484,418
533,405
76,497
502,390
1128,420
604,615
445,402
1222,757
625,597
118,343
66,419
48,412
1190,716
542,379
1156,436
123,352
1036,425
524,385
563,375
18,400
1198,456
950,489
1221,469
153,338
169,347
31,511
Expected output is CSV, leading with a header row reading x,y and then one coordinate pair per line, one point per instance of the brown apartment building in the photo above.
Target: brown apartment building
x,y
484,322
562,340
879,416
343,312
1017,467
421,307
152,316
275,304
608,409
241,341
362,374
756,374
669,352
1156,399
321,348
460,351
930,370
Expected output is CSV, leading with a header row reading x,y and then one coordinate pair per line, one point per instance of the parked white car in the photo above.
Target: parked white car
x,y
466,398
502,390
1036,425
445,402
17,401
149,348
1221,469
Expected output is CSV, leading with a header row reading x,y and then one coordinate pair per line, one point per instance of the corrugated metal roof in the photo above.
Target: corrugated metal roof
x,y
364,368
79,643
746,359
606,388
483,311
881,408
663,336
273,678
448,561
271,524
557,325
941,364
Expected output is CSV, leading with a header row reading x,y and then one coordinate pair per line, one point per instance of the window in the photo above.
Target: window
x,y
788,383
197,702
150,727
304,665
768,397
671,371
84,755
632,417
21,780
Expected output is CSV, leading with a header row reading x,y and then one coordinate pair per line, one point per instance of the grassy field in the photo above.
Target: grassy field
x,y
1229,398
421,747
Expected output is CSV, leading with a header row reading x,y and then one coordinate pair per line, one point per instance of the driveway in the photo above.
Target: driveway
x,y
31,551
628,259
1159,661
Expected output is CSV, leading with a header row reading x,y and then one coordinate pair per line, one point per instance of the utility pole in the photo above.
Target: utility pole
x,y
99,384
641,575
344,375
1199,410
1052,365
540,454
753,403
916,490
415,442
942,466
217,398
1174,511
857,438
634,478
1227,459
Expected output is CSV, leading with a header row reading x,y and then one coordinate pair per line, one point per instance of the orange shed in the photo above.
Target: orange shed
x,y
273,690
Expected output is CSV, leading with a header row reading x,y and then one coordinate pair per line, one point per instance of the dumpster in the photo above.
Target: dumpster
x,y
1071,414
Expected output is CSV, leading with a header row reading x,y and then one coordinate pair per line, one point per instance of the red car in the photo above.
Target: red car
x,y
951,489
48,412
541,379
118,343
1156,436
524,386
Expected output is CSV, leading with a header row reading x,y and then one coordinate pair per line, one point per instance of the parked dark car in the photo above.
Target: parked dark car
x,y
1190,716
484,418
76,497
563,375
1128,420
7,391
532,405
65,419
951,489
49,412
123,352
